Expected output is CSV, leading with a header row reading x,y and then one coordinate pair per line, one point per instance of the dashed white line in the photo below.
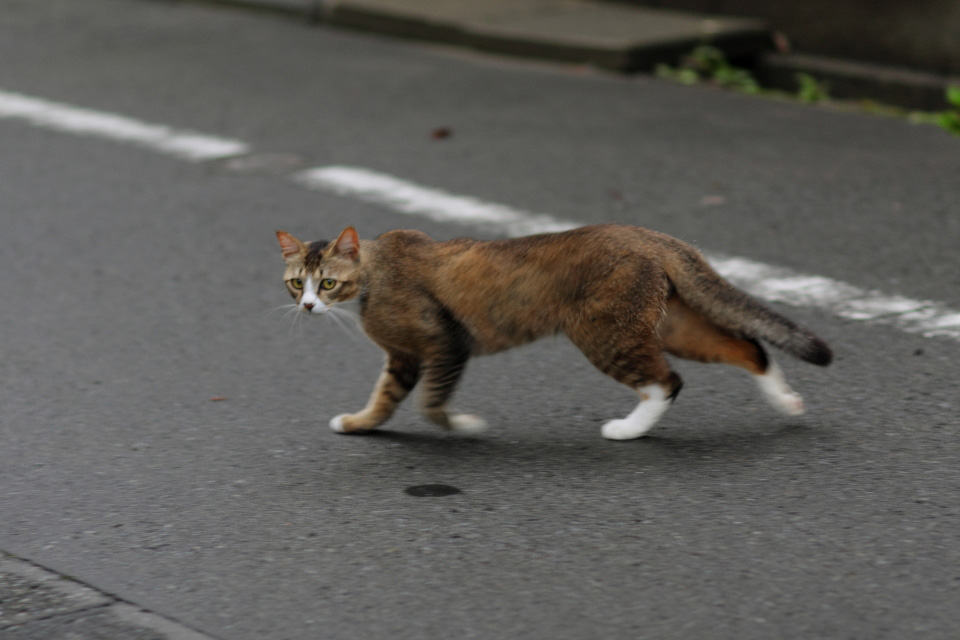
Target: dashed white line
x,y
778,284
62,117
410,198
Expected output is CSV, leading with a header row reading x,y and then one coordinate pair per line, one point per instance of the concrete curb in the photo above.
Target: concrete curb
x,y
607,35
618,37
857,80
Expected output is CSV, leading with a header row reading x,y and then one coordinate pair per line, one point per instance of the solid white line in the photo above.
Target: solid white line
x,y
765,281
61,117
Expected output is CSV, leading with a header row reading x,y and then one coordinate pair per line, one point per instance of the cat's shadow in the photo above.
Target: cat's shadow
x,y
723,444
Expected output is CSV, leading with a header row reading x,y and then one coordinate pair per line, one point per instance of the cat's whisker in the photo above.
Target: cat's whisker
x,y
288,307
296,319
337,320
350,309
291,310
349,320
340,316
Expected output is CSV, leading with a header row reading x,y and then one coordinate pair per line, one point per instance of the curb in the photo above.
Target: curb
x,y
617,37
607,35
847,80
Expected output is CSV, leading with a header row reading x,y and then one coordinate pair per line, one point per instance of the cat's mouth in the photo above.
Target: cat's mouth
x,y
314,307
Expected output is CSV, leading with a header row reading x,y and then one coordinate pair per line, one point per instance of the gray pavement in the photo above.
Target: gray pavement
x,y
163,447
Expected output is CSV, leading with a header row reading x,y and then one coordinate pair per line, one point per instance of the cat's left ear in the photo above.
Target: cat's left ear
x,y
347,244
290,246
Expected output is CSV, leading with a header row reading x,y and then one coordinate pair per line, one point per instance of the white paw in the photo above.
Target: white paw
x,y
467,425
641,419
337,423
621,430
778,393
790,403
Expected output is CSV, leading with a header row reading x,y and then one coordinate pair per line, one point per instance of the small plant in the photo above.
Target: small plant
x,y
810,89
950,119
709,64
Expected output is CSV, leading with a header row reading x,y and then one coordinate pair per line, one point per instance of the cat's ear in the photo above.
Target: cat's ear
x,y
347,244
290,246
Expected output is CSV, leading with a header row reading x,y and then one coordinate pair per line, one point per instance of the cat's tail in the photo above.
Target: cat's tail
x,y
708,292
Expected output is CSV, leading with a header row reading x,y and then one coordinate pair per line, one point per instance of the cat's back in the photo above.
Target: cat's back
x,y
400,239
587,247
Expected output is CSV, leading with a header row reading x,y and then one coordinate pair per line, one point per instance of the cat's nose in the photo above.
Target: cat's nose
x,y
308,306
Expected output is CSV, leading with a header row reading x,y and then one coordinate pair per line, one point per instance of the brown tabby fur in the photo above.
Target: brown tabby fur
x,y
624,296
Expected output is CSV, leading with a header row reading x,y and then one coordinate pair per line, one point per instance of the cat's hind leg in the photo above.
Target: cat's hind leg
x,y
655,399
400,375
631,354
778,393
690,335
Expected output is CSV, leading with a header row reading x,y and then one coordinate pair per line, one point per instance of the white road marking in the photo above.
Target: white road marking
x,y
779,284
924,317
62,117
410,198
765,281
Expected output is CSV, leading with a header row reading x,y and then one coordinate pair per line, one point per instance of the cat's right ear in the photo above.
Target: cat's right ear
x,y
290,246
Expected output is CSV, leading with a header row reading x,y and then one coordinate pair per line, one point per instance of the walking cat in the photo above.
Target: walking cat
x,y
623,295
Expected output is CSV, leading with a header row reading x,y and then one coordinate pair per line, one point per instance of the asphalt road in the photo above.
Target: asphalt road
x,y
163,436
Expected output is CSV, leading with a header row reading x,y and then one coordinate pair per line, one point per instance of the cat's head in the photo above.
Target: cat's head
x,y
321,274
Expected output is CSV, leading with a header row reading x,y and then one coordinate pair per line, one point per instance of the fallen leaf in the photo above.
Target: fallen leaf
x,y
711,201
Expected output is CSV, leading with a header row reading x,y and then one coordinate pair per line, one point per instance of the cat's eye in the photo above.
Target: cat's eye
x,y
328,283
296,283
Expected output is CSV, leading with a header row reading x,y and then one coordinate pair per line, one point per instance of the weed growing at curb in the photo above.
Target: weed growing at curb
x,y
950,119
708,65
810,89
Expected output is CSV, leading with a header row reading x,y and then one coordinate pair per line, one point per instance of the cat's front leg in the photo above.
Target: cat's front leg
x,y
440,378
400,375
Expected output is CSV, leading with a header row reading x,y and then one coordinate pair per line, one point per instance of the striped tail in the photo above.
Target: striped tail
x,y
708,292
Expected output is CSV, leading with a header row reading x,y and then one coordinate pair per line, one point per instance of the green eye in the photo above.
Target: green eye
x,y
296,283
328,283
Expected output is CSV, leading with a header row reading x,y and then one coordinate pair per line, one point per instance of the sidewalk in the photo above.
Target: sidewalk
x,y
604,34
617,37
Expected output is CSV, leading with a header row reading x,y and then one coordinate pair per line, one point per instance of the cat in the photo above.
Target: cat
x,y
623,295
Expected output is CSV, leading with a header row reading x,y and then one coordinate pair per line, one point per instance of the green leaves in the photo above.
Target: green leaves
x,y
953,95
810,89
709,65
950,119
